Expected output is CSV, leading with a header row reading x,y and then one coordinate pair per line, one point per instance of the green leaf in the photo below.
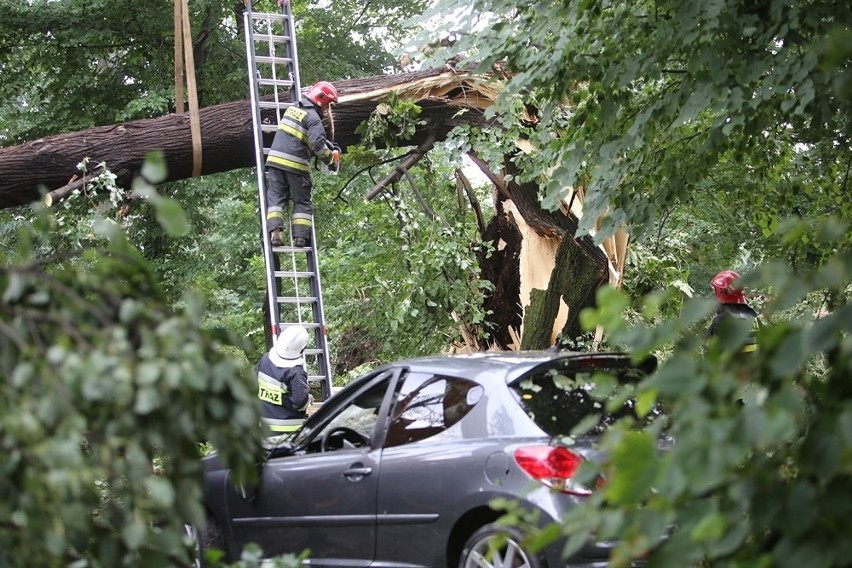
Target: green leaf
x,y
790,356
154,169
147,400
646,399
172,217
14,288
160,491
634,469
677,376
710,528
134,532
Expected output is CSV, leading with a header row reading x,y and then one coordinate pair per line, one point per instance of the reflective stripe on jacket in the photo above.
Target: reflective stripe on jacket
x,y
300,134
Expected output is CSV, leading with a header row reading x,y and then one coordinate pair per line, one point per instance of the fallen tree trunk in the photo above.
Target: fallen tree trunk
x,y
35,168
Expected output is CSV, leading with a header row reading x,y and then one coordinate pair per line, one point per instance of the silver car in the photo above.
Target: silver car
x,y
401,467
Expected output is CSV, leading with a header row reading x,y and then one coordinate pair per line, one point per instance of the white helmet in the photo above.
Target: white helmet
x,y
289,347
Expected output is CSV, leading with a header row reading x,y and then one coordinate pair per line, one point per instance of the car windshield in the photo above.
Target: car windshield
x,y
567,401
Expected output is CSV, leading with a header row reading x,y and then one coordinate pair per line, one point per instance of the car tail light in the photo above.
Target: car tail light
x,y
553,466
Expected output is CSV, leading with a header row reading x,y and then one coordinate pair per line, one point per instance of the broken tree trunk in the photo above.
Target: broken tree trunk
x,y
575,278
41,166
536,250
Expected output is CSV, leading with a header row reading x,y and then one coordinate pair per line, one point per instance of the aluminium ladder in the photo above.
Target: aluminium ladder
x,y
294,292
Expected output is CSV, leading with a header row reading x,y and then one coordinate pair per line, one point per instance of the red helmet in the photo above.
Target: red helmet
x,y
322,93
725,292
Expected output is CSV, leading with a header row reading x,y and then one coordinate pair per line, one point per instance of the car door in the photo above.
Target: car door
x,y
322,499
428,465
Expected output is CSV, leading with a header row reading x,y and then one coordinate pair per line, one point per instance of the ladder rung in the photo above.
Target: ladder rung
x,y
291,274
305,324
273,59
276,16
294,300
275,82
275,38
273,104
290,249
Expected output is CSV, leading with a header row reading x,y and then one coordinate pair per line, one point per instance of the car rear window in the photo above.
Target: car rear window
x,y
567,401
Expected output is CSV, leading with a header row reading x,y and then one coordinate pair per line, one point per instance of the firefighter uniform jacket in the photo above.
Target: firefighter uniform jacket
x,y
300,134
285,394
736,311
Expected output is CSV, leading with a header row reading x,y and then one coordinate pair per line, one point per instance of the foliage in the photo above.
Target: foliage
x,y
762,443
725,127
72,64
403,276
108,394
218,256
651,87
393,123
346,38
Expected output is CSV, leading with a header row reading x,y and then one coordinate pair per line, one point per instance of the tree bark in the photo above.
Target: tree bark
x,y
575,279
581,267
32,169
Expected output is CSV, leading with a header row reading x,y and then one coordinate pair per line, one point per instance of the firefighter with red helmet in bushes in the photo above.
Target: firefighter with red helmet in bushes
x,y
299,136
732,304
282,382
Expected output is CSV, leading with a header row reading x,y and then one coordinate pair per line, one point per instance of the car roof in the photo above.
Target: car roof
x,y
510,365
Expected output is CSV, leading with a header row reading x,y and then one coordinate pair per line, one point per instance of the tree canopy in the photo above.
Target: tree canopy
x,y
634,92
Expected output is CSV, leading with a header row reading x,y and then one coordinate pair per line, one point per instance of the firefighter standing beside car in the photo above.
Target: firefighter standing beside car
x,y
282,382
299,136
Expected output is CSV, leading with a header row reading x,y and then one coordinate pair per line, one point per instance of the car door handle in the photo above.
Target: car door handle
x,y
356,473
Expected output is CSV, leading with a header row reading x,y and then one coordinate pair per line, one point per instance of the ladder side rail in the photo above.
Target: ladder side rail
x,y
319,316
271,289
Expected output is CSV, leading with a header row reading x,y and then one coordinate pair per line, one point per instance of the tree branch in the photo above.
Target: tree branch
x,y
74,184
400,170
419,197
464,183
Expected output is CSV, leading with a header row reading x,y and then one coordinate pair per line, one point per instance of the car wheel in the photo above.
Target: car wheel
x,y
207,537
495,546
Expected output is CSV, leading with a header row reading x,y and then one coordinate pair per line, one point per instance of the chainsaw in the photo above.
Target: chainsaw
x,y
334,167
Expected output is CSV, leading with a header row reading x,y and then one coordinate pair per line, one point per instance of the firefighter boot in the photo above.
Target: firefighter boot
x,y
276,237
301,242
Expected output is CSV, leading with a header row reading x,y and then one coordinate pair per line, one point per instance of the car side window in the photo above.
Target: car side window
x,y
359,412
362,413
428,405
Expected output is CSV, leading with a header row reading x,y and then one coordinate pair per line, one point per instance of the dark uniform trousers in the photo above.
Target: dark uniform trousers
x,y
282,185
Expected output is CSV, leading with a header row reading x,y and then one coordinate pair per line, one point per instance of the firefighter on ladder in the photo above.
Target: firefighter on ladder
x,y
300,135
282,382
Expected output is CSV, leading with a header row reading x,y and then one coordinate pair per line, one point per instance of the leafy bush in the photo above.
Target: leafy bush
x,y
760,468
107,394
